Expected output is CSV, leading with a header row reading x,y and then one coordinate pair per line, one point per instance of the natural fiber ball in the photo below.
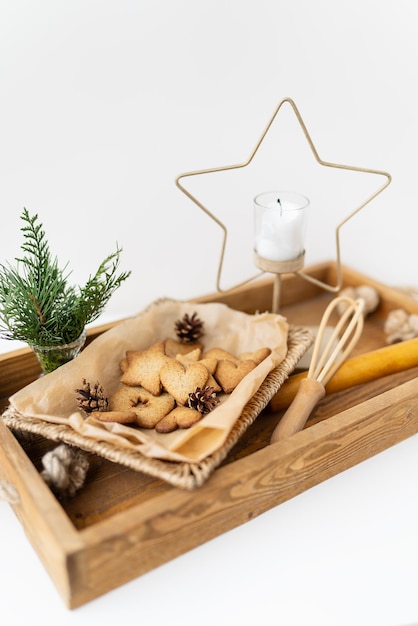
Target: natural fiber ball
x,y
65,470
400,326
369,294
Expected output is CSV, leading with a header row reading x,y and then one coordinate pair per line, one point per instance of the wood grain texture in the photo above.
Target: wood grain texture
x,y
152,533
46,524
124,523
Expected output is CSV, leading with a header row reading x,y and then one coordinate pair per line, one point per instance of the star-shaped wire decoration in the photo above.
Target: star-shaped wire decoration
x,y
333,288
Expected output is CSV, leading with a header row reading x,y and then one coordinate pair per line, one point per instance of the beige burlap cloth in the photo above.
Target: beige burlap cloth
x,y
185,458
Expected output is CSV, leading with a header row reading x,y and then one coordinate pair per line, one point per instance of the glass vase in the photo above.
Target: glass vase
x,y
52,357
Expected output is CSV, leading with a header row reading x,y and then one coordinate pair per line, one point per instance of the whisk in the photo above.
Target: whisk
x,y
322,366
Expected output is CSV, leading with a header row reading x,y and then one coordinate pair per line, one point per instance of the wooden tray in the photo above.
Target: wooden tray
x,y
124,523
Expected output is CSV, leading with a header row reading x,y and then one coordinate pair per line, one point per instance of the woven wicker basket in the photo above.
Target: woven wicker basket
x,y
184,475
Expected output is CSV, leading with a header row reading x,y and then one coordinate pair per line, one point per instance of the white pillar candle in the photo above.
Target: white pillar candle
x,y
280,225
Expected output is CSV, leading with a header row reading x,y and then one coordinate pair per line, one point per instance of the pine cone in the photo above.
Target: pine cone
x,y
90,400
203,400
189,329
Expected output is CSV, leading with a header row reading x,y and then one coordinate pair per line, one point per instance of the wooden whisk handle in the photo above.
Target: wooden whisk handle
x,y
309,393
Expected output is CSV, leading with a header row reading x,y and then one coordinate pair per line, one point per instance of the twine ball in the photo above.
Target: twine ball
x,y
400,326
65,470
369,294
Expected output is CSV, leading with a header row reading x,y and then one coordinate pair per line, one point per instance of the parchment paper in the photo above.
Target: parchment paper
x,y
52,398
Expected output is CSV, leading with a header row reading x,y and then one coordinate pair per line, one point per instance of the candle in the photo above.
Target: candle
x,y
280,225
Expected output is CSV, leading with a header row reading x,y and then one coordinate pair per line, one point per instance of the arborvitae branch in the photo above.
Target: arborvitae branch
x,y
37,305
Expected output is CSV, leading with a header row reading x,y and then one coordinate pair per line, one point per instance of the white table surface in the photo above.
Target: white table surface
x,y
344,553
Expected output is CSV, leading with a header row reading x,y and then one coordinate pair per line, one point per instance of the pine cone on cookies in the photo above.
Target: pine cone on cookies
x,y
203,400
189,329
91,399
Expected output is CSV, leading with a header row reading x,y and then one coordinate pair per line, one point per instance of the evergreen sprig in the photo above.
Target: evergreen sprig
x,y
37,305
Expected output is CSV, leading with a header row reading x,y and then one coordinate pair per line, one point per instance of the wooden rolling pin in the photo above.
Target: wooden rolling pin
x,y
356,370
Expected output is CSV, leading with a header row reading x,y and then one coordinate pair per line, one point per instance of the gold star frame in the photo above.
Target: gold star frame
x,y
333,288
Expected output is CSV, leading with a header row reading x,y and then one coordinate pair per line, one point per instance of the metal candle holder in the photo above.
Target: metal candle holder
x,y
277,268
293,265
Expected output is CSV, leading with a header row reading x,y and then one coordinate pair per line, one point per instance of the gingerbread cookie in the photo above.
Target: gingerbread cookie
x,y
220,354
180,417
229,374
189,357
173,347
257,356
179,381
121,417
148,409
144,367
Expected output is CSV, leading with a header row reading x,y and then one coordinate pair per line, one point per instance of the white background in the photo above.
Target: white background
x,y
102,105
